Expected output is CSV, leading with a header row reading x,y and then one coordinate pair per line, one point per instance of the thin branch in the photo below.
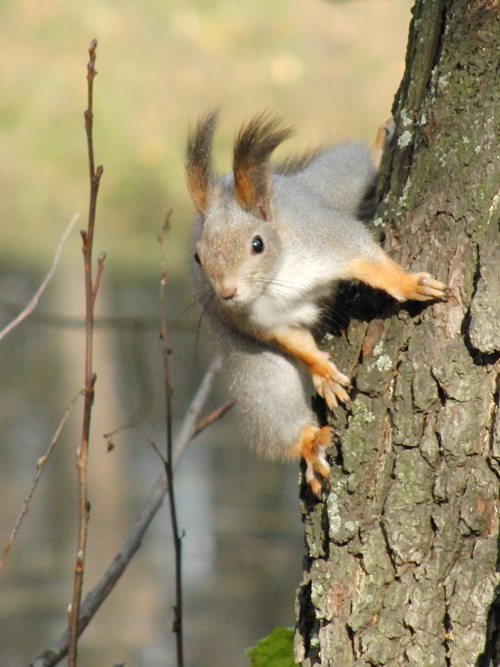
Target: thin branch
x,y
97,282
168,462
34,301
189,427
132,427
212,417
151,443
90,377
41,463
103,588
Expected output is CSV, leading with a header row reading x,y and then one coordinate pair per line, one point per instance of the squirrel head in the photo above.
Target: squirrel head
x,y
238,245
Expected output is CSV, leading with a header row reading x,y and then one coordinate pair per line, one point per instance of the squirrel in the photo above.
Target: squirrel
x,y
268,246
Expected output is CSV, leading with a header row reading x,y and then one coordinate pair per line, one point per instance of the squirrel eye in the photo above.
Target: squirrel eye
x,y
257,245
196,258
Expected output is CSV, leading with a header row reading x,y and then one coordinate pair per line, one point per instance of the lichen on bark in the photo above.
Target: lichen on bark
x,y
401,564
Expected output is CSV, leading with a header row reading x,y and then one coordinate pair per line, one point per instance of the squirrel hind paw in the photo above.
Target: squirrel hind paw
x,y
313,447
316,485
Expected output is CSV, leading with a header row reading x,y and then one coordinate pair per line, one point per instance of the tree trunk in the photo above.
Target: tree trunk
x,y
401,567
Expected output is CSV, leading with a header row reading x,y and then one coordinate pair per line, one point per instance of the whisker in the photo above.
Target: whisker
x,y
291,287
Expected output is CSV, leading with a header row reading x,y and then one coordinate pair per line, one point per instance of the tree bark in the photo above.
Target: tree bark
x,y
402,555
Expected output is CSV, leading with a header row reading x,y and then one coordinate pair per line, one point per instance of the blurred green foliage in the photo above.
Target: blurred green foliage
x,y
331,70
275,650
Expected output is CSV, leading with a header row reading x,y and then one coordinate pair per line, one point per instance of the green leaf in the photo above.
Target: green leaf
x,y
275,650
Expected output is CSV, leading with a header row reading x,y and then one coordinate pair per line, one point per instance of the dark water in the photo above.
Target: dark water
x,y
243,536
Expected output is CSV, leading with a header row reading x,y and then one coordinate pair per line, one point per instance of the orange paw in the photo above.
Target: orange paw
x,y
421,287
329,382
313,447
385,274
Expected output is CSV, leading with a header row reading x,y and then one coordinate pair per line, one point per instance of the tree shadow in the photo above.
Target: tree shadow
x,y
490,657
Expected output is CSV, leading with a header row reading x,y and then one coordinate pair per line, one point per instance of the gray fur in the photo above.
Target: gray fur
x,y
341,176
271,403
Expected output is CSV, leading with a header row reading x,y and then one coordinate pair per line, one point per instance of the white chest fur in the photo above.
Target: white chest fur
x,y
291,298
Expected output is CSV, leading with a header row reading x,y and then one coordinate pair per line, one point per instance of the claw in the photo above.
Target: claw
x,y
329,382
316,486
329,395
425,288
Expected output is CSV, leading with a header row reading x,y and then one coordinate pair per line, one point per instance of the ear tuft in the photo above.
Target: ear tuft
x,y
252,174
199,161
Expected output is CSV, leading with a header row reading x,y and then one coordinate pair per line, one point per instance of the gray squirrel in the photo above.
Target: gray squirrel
x,y
268,246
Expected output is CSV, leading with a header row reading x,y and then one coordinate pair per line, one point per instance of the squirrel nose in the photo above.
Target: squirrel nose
x,y
227,292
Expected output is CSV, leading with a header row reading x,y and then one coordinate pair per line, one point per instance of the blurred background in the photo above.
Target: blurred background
x,y
330,69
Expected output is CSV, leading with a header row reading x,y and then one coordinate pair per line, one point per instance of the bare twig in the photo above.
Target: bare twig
x,y
100,592
132,427
189,426
97,282
90,377
41,463
213,416
152,443
168,462
34,301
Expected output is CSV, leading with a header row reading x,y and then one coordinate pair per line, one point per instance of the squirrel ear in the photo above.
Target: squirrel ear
x,y
252,173
199,161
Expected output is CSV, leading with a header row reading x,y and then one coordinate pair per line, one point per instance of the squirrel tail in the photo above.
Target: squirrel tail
x,y
271,403
273,410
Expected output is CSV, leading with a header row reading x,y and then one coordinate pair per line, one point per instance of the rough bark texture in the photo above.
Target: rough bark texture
x,y
402,560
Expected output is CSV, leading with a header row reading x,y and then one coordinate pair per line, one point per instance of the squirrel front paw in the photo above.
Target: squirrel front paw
x,y
421,287
329,382
312,448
